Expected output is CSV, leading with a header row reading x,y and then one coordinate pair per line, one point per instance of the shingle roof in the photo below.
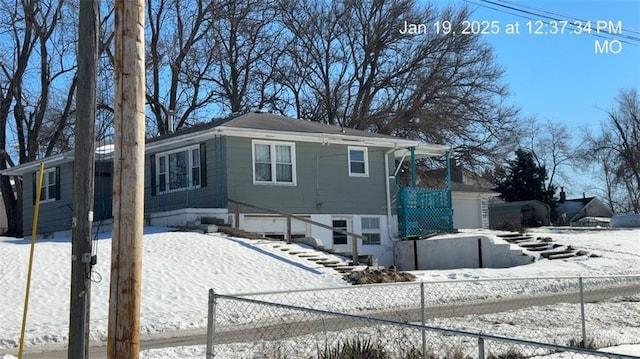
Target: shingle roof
x,y
271,122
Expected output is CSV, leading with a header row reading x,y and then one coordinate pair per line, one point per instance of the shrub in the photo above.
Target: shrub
x,y
512,353
357,348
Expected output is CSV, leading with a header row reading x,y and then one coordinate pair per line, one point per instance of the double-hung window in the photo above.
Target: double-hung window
x,y
371,230
49,185
274,162
358,162
178,170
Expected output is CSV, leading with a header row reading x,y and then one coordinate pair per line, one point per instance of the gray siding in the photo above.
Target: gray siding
x,y
211,196
323,182
103,191
54,215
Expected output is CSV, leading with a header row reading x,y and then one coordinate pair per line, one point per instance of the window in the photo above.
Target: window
x,y
358,162
339,238
50,185
178,170
274,162
371,230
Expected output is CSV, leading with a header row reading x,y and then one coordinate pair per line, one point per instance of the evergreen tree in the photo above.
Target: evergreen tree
x,y
524,180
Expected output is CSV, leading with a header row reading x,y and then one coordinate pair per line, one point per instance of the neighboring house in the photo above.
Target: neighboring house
x,y
515,214
4,221
343,178
470,195
582,212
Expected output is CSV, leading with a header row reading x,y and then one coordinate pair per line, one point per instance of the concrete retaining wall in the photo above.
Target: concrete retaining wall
x,y
456,252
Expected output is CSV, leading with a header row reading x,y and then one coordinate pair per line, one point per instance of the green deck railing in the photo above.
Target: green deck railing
x,y
422,211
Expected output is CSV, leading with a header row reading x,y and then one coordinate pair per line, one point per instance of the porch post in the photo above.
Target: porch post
x,y
448,178
413,166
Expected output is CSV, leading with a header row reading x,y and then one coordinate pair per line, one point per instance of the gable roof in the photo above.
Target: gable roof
x,y
261,125
573,207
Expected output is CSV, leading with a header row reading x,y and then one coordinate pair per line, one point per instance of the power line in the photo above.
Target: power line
x,y
527,14
572,20
561,15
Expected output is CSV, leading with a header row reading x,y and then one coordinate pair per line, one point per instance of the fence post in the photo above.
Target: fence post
x,y
288,234
582,316
211,324
480,348
423,320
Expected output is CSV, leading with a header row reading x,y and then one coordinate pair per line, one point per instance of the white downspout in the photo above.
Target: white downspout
x,y
388,192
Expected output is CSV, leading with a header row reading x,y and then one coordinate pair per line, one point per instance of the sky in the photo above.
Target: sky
x,y
180,267
560,77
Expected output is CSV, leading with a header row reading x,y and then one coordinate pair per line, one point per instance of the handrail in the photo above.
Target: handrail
x,y
306,220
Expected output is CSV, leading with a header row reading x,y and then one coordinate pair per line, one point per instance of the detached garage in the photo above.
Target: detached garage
x,y
470,206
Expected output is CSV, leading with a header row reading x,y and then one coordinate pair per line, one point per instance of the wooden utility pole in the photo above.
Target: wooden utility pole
x,y
128,182
83,180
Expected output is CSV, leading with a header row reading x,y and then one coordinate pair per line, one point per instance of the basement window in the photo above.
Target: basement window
x,y
371,230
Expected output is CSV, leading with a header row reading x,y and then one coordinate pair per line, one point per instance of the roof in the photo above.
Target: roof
x,y
263,121
462,180
268,126
573,207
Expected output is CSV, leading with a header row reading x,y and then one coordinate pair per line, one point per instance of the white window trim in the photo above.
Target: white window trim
x,y
371,231
365,151
273,145
189,172
45,185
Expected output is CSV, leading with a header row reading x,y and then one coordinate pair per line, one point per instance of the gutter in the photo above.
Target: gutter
x,y
388,192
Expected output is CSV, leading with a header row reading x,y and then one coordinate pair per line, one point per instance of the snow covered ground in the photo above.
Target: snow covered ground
x,y
180,267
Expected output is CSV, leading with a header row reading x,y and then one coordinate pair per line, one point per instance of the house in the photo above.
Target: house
x,y
4,224
582,212
340,177
470,195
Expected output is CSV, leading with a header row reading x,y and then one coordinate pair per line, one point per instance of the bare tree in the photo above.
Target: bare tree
x,y
178,61
617,150
37,86
243,40
551,145
353,66
318,62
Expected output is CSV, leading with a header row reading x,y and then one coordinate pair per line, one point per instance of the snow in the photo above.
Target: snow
x,y
180,267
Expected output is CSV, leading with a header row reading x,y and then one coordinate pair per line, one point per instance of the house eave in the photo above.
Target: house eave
x,y
33,166
402,145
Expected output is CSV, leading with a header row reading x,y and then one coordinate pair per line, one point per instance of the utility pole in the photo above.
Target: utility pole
x,y
128,182
83,180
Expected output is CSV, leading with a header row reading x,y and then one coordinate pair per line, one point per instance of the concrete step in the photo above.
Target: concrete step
x,y
561,256
557,254
344,269
307,255
510,235
534,245
327,261
239,232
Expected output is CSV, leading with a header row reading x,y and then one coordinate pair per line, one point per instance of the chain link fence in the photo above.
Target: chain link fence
x,y
506,318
